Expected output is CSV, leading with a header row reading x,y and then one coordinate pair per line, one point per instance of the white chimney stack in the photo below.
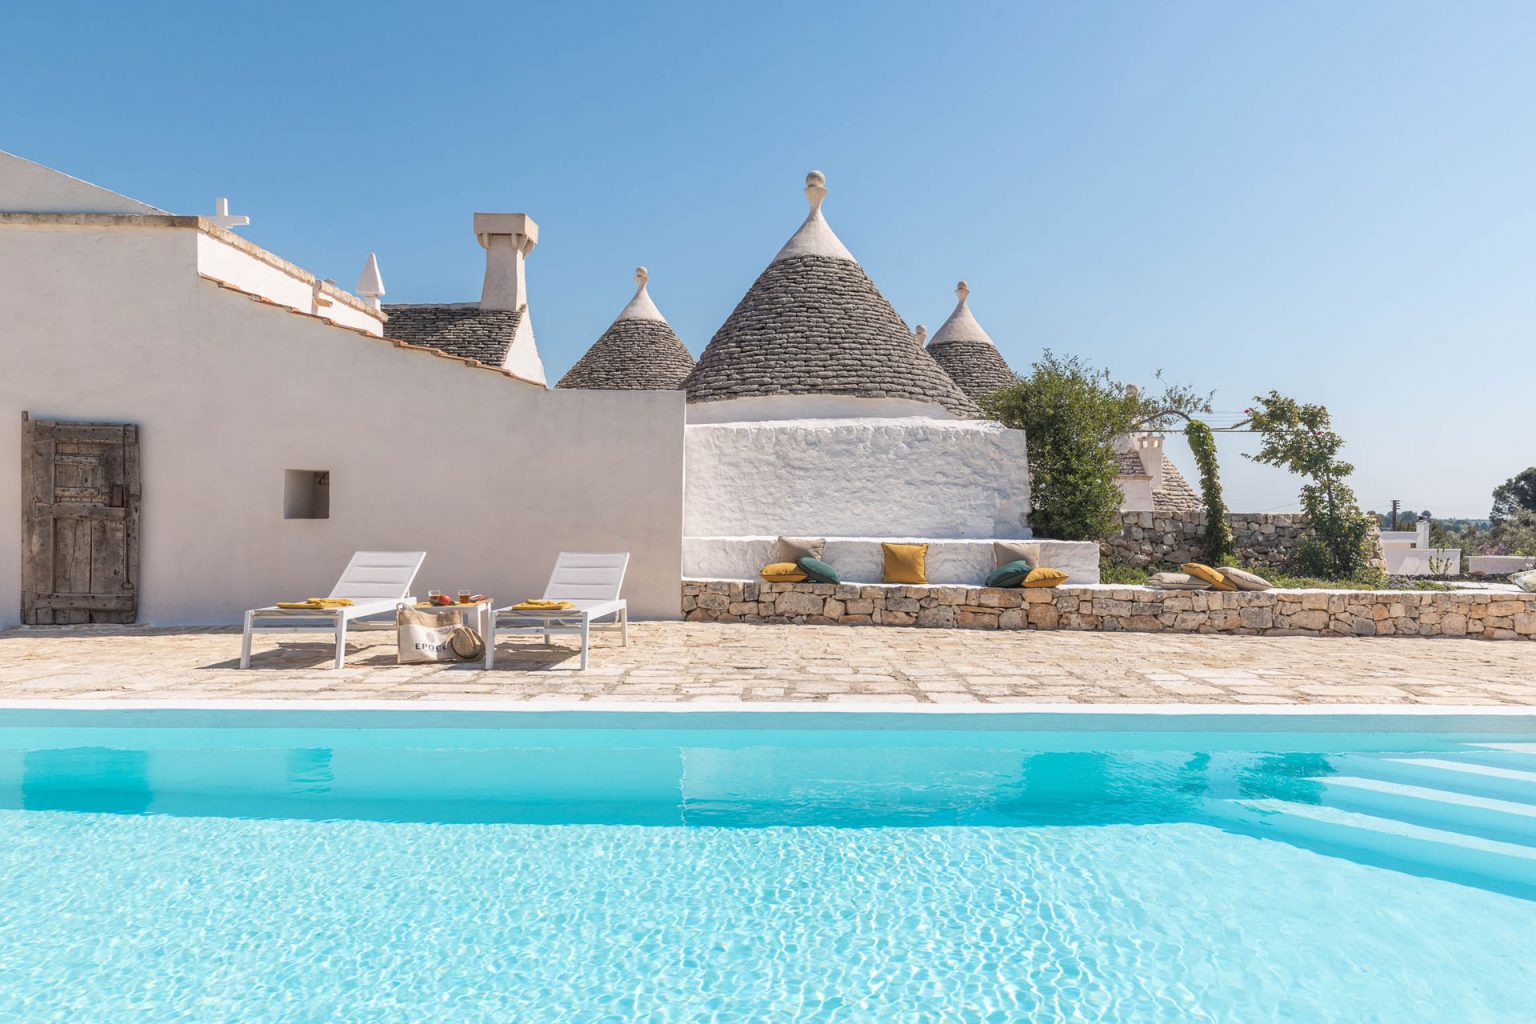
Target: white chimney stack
x,y
507,238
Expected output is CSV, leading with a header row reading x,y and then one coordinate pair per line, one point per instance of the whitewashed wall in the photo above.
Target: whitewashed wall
x,y
898,477
225,259
115,324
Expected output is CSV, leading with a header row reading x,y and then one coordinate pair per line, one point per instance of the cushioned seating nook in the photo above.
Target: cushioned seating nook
x,y
949,561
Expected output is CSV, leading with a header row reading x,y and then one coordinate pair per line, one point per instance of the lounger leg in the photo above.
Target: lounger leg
x,y
341,640
624,624
490,640
547,638
245,643
586,629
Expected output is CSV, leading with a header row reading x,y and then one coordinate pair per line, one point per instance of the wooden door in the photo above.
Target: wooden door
x,y
80,506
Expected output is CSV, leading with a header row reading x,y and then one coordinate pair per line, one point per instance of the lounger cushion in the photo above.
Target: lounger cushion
x,y
817,570
1244,580
782,572
1009,551
905,563
1010,575
1044,577
1214,577
792,549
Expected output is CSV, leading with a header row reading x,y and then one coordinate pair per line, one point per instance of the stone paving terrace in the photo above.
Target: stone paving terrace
x,y
727,664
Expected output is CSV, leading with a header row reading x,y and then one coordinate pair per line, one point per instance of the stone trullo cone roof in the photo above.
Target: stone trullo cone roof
x,y
813,323
638,352
967,353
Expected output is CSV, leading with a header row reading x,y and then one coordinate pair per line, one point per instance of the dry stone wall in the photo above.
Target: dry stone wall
x,y
1113,609
1261,540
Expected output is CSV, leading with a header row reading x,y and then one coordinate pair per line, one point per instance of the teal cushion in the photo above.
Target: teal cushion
x,y
818,571
1010,575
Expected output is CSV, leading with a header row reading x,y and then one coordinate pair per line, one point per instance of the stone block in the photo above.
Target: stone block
x,y
976,619
1311,618
859,606
996,597
799,603
940,616
1011,618
834,609
713,601
1044,616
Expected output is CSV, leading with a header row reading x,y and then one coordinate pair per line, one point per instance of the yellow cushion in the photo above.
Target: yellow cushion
x,y
1044,577
782,572
905,563
1214,577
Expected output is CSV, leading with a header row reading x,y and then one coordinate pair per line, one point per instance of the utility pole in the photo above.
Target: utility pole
x,y
1396,504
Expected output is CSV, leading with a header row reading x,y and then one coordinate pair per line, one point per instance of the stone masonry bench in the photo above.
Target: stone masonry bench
x,y
1119,608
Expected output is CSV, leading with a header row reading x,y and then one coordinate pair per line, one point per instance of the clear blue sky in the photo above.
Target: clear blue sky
x,y
1331,199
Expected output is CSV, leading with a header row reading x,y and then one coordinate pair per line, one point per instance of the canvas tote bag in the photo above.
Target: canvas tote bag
x,y
426,636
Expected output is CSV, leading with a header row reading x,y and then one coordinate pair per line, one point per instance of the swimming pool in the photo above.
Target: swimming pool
x,y
335,866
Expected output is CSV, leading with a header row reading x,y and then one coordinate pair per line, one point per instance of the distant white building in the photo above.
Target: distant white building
x,y
1149,480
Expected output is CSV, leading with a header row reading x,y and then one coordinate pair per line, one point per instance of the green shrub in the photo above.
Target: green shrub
x,y
1071,415
1301,438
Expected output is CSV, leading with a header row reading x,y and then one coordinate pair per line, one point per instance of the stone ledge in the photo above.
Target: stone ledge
x,y
1111,608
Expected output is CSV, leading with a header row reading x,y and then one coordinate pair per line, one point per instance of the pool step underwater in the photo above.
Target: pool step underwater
x,y
1450,816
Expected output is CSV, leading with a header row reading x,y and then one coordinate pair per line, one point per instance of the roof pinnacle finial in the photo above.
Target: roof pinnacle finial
x,y
921,333
815,189
370,283
641,307
962,291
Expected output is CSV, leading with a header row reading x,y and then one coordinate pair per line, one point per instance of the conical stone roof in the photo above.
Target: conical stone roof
x,y
967,352
813,323
638,352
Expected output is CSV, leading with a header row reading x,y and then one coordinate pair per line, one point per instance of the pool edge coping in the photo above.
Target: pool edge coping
x,y
759,707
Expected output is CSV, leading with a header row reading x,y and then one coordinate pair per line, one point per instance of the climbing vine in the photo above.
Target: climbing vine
x,y
1218,532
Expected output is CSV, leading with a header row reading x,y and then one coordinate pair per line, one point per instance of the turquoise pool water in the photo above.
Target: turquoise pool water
x,y
163,867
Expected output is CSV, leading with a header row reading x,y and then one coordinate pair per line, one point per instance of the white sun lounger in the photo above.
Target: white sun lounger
x,y
375,582
591,583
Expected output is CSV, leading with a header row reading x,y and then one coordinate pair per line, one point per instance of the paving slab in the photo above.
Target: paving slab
x,y
724,664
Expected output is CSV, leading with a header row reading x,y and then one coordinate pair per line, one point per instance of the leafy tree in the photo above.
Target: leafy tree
x,y
1515,534
1218,532
1517,492
1071,414
1301,438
